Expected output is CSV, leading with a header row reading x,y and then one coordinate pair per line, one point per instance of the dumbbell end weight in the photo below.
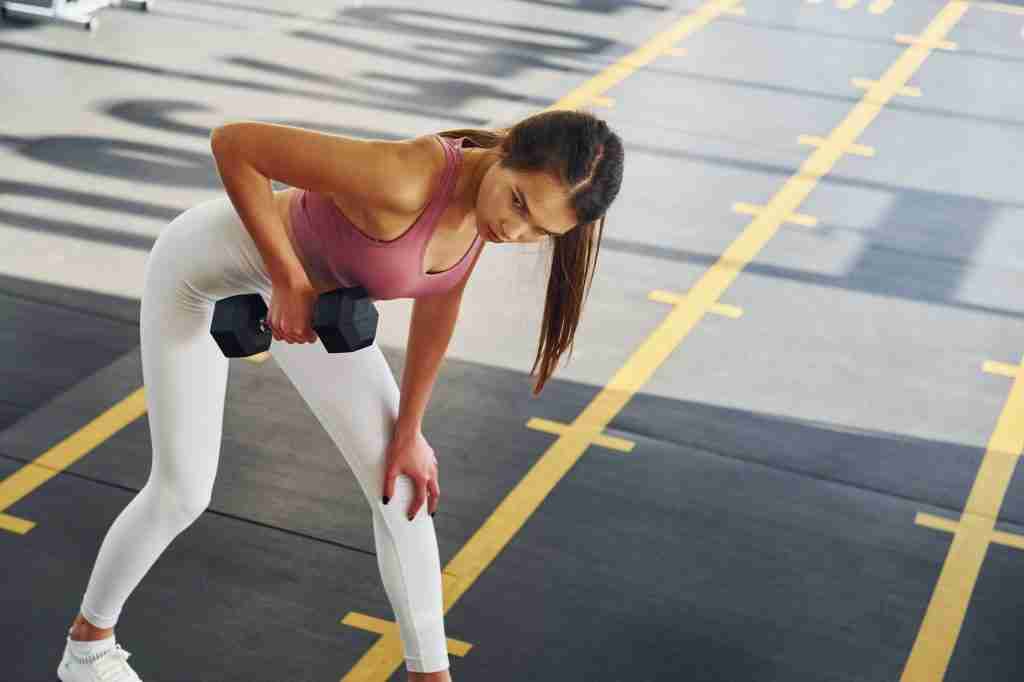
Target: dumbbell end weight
x,y
345,320
238,326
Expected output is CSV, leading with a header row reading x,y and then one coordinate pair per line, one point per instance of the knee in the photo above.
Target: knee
x,y
182,506
190,507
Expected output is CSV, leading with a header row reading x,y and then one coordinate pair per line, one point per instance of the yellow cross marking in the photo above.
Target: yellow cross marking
x,y
378,662
590,435
906,90
1002,369
926,43
63,455
795,218
982,527
848,148
670,298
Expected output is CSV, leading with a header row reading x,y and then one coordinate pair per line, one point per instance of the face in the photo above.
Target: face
x,y
519,206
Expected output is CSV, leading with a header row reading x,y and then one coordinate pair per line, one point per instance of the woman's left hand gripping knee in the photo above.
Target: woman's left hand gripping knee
x,y
410,454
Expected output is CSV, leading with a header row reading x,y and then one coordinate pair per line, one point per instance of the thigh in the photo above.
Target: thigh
x,y
355,398
185,378
203,255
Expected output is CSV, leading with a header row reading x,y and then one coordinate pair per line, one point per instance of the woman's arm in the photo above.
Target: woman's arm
x,y
430,331
392,177
253,198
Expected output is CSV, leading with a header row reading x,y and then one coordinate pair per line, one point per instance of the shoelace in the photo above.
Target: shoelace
x,y
113,664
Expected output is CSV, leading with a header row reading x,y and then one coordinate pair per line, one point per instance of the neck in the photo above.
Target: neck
x,y
475,164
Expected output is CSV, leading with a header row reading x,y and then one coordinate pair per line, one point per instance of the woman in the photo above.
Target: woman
x,y
344,220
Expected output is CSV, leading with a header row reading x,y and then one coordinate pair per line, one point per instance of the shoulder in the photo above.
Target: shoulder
x,y
393,179
414,167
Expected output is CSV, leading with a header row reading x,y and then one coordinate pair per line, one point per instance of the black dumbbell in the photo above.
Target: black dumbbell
x,y
344,319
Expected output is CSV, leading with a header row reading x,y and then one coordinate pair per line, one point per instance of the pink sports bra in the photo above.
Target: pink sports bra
x,y
340,252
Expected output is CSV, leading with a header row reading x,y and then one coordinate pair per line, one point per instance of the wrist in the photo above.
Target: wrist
x,y
289,277
407,429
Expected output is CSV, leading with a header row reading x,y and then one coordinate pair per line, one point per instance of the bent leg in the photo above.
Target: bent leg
x,y
355,398
185,378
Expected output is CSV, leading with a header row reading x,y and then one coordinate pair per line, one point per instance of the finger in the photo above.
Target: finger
x,y
417,502
434,490
389,483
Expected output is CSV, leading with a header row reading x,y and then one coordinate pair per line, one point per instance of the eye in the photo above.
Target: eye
x,y
522,208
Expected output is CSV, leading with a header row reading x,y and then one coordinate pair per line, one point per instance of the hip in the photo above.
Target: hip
x,y
206,252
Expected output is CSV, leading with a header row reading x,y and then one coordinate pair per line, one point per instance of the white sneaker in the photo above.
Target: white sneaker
x,y
109,666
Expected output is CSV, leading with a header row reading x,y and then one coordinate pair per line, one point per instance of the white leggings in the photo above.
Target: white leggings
x,y
203,255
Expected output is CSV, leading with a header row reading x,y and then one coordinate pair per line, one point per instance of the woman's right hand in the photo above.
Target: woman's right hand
x,y
290,317
410,454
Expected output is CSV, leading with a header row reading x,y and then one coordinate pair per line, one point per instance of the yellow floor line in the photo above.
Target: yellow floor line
x,y
943,620
61,456
644,55
940,629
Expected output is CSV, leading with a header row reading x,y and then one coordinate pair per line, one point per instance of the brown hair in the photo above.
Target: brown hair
x,y
578,148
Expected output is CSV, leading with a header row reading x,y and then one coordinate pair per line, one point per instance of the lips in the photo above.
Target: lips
x,y
490,231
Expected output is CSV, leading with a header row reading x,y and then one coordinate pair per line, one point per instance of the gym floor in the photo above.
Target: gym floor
x,y
784,449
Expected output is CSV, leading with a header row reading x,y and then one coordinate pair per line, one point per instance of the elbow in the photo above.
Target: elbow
x,y
217,138
222,136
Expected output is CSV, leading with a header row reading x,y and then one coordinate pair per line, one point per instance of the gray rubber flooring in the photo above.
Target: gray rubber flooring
x,y
771,522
